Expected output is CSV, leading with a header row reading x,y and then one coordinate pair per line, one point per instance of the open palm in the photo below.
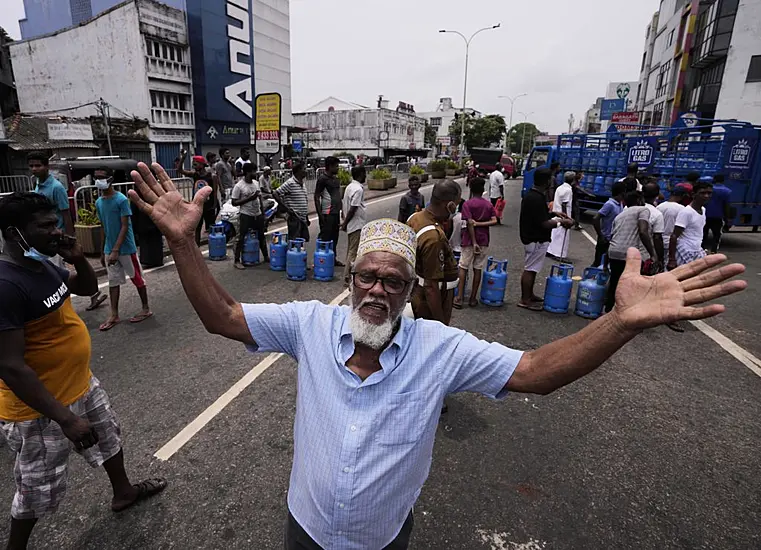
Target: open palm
x,y
175,217
644,302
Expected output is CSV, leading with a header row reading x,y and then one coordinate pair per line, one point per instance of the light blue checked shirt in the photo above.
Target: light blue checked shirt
x,y
362,449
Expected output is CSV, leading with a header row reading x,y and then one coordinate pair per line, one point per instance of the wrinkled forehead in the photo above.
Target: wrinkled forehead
x,y
383,264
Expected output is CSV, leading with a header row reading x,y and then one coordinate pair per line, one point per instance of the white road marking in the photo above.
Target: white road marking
x,y
270,232
188,432
744,356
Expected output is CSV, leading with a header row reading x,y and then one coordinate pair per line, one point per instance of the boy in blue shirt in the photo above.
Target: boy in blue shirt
x,y
119,250
603,221
717,211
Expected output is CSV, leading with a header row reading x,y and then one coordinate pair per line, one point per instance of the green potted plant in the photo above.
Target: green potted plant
x,y
381,179
452,168
438,169
419,171
344,178
88,230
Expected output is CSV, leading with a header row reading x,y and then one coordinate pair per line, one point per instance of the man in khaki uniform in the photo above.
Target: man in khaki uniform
x,y
436,267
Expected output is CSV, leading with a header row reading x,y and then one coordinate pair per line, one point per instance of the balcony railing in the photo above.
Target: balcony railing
x,y
172,117
163,68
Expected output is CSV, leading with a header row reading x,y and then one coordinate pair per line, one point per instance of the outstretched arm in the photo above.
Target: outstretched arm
x,y
219,312
641,303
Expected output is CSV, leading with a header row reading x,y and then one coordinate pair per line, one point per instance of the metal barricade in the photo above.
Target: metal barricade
x,y
86,195
402,168
11,184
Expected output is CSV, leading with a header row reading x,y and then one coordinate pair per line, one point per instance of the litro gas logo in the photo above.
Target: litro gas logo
x,y
241,93
641,153
740,154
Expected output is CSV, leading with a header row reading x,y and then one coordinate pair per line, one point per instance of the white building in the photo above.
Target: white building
x,y
441,119
334,125
591,123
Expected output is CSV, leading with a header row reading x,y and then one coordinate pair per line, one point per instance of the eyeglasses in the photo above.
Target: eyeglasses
x,y
391,285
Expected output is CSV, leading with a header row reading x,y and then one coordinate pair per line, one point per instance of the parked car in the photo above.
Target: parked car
x,y
344,164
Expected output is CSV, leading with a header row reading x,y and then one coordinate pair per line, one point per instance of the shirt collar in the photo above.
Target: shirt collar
x,y
46,181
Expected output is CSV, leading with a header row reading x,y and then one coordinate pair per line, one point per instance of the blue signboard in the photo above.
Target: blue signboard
x,y
738,155
297,145
610,106
211,132
221,48
642,151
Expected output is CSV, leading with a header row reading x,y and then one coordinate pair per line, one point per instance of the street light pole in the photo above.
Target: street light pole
x,y
525,119
465,85
512,104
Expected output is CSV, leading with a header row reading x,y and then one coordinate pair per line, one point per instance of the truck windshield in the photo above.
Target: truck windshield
x,y
538,158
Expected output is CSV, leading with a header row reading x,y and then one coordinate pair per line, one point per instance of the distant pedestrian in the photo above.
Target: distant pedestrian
x,y
50,402
536,225
497,186
561,204
327,203
293,196
224,172
557,178
412,201
265,181
670,210
247,195
603,222
686,244
718,218
631,229
242,160
355,216
202,178
436,268
689,184
478,215
632,172
119,255
651,192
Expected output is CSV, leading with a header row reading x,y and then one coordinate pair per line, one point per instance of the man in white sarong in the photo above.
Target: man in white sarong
x,y
562,204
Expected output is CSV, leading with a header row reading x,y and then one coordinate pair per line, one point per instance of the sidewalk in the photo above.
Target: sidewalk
x,y
400,188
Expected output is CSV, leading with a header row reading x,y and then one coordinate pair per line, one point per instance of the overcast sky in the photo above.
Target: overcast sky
x,y
562,53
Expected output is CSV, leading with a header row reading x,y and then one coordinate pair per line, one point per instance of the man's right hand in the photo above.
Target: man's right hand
x,y
567,223
174,216
79,431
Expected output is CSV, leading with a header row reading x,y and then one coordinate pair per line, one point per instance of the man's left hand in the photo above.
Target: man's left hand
x,y
113,257
70,250
645,302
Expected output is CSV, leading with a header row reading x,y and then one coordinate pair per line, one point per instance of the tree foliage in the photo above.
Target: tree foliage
x,y
479,132
4,36
430,135
516,136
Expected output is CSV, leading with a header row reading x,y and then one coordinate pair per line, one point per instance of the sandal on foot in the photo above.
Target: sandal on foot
x,y
96,303
140,317
145,489
675,327
531,307
108,325
457,305
473,303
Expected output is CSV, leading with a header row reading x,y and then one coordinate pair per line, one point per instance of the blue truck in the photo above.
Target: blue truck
x,y
666,154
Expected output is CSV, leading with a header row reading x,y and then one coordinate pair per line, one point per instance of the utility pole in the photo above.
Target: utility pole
x,y
105,112
525,123
510,125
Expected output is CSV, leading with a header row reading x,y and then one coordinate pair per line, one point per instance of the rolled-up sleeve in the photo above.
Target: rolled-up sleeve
x,y
276,327
481,367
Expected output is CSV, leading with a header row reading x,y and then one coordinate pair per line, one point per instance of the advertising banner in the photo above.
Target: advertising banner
x,y
625,121
642,151
267,123
610,106
738,156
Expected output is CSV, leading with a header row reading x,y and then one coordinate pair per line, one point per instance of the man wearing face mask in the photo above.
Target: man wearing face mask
x,y
49,399
119,255
436,267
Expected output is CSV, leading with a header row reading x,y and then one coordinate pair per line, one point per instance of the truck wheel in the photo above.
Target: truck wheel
x,y
755,229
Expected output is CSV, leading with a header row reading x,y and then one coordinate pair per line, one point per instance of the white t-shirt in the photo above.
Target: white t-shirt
x,y
670,211
656,220
563,194
693,223
244,190
639,185
355,196
496,180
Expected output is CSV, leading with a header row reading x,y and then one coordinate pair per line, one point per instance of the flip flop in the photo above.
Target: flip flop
x,y
108,325
531,307
456,305
675,327
145,489
140,317
96,305
473,303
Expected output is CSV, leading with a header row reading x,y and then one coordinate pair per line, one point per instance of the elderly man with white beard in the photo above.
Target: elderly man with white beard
x,y
371,382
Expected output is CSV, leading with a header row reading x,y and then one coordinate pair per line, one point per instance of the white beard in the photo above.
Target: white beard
x,y
368,334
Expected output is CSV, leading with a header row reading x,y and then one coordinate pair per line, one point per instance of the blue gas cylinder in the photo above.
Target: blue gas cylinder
x,y
324,261
494,282
557,293
278,250
217,243
250,249
296,261
590,296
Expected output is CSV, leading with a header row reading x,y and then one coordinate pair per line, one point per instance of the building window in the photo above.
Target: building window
x,y
644,60
436,121
754,70
671,39
169,100
661,81
658,113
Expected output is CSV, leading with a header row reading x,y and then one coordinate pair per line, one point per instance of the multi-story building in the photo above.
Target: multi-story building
x,y
141,60
704,57
8,97
441,120
333,126
48,16
591,123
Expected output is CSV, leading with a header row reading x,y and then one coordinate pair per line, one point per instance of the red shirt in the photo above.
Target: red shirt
x,y
481,210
